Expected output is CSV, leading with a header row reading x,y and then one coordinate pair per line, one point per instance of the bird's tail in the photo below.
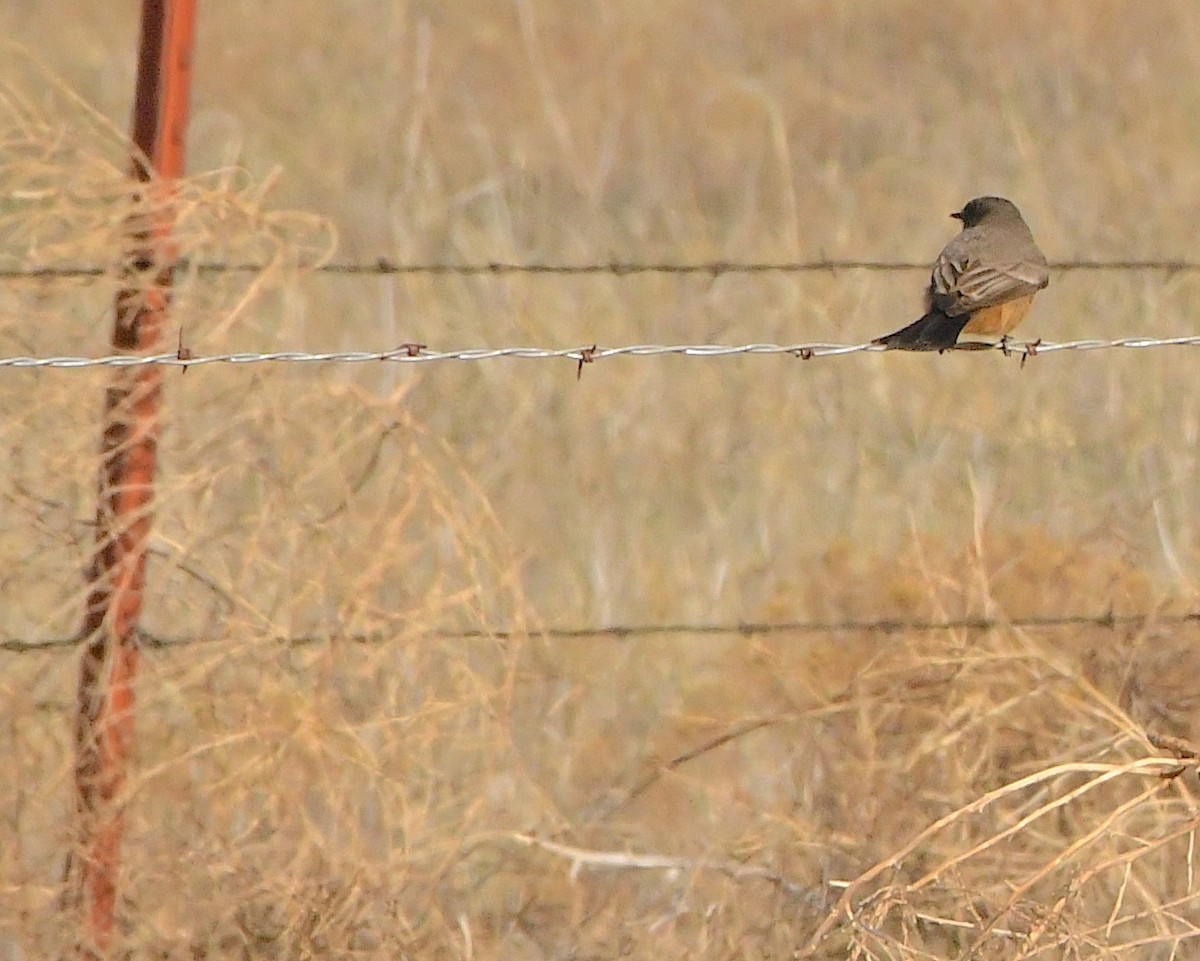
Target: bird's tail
x,y
935,331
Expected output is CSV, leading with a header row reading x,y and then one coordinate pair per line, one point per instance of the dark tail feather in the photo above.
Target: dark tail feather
x,y
934,331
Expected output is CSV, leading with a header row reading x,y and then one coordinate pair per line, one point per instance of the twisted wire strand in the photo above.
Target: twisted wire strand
x,y
883,627
383,266
422,354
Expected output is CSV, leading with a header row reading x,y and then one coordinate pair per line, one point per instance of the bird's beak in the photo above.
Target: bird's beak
x,y
957,215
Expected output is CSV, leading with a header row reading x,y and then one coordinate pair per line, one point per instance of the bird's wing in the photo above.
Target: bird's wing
x,y
961,284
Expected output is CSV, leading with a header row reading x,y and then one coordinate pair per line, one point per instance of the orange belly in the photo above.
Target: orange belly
x,y
1000,318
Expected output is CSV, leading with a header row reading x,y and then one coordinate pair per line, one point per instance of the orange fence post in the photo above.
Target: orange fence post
x,y
104,731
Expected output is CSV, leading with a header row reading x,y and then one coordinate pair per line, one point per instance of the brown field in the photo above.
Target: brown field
x,y
377,787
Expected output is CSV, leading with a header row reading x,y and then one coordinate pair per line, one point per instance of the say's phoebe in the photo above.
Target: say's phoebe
x,y
982,283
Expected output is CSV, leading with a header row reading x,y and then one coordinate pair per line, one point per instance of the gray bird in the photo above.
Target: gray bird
x,y
983,281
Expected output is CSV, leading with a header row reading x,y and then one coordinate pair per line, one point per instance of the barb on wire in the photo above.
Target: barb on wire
x,y
383,266
413,353
884,627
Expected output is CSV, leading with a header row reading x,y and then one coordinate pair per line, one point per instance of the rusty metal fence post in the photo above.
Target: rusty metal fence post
x,y
104,731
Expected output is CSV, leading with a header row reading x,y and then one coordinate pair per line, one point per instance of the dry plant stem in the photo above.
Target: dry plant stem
x,y
720,740
105,722
623,860
1019,891
1152,767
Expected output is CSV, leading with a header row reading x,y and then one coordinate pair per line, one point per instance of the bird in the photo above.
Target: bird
x,y
983,282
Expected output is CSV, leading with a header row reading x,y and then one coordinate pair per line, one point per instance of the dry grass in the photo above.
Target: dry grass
x,y
941,794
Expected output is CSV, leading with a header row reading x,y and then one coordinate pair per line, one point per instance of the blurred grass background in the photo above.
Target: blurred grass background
x,y
351,800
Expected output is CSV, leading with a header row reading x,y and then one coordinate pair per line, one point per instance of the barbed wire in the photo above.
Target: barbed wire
x,y
413,353
883,627
383,266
